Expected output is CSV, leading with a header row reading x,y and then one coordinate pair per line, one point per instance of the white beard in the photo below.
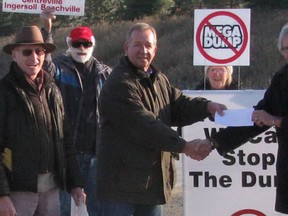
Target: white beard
x,y
81,58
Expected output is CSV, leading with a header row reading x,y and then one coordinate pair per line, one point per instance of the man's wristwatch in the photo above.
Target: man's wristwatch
x,y
213,143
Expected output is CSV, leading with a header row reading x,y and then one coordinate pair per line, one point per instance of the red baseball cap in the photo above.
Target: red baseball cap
x,y
82,32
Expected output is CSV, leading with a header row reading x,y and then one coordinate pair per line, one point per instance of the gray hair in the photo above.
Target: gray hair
x,y
141,27
283,34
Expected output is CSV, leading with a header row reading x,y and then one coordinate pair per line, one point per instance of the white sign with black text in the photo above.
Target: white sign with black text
x,y
242,183
222,37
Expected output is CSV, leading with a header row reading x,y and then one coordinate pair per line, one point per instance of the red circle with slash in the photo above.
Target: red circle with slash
x,y
237,53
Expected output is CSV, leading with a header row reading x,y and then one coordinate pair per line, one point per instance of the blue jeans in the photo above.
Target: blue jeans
x,y
126,209
87,165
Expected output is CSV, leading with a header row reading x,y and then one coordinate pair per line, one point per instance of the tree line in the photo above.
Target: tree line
x,y
98,11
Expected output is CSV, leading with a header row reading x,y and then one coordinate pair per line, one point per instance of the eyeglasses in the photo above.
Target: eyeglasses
x,y
28,52
212,70
78,44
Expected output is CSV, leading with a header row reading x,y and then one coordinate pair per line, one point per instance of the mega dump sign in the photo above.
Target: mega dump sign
x,y
221,37
241,183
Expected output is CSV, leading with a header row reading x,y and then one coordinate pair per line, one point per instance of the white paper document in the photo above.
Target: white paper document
x,y
236,117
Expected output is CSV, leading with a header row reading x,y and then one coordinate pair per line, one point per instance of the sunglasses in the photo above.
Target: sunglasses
x,y
78,44
28,52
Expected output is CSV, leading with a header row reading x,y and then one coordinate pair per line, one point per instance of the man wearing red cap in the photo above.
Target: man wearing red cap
x,y
80,77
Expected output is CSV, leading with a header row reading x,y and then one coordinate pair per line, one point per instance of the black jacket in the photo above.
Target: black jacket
x,y
137,112
275,102
83,121
19,137
69,81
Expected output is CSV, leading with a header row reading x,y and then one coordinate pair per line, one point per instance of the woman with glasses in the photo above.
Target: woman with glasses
x,y
218,78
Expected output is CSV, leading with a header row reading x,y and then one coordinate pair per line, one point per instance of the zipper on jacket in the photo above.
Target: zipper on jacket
x,y
46,147
153,88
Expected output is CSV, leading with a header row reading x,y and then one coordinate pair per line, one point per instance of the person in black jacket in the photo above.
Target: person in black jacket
x,y
271,111
218,77
37,156
138,106
80,78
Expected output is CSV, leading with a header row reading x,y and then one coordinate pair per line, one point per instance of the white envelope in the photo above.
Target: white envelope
x,y
236,117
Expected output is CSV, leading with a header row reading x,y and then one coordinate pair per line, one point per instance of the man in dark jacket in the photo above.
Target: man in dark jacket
x,y
138,106
272,110
37,156
80,77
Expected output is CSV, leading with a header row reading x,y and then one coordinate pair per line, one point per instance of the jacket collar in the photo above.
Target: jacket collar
x,y
140,74
18,74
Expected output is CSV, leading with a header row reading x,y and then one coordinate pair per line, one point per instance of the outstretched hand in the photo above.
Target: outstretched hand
x,y
213,107
197,149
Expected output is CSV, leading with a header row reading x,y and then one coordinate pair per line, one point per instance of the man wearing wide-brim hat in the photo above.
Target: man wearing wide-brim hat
x,y
37,158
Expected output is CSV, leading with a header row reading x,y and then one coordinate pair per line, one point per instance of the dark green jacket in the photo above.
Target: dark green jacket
x,y
136,115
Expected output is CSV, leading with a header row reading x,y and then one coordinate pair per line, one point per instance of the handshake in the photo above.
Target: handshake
x,y
198,149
